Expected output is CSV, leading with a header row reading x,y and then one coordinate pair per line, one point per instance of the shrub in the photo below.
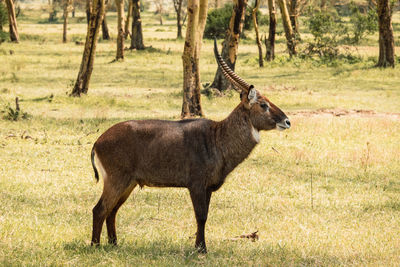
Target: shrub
x,y
3,22
362,24
3,15
218,21
326,29
14,114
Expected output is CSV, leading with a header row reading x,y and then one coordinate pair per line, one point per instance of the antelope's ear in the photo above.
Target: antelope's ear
x,y
252,95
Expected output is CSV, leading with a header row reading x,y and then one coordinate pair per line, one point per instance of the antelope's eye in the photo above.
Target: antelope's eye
x,y
264,106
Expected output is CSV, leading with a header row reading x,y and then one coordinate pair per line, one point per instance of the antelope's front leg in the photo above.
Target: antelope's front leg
x,y
201,201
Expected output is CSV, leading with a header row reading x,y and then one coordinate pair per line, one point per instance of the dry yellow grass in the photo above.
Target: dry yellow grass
x,y
47,188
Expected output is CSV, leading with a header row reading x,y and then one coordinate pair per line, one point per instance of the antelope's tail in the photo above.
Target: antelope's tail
x,y
96,173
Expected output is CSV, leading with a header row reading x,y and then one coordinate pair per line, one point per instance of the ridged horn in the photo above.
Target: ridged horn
x,y
228,73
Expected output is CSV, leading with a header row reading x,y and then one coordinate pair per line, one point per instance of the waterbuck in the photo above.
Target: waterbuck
x,y
196,154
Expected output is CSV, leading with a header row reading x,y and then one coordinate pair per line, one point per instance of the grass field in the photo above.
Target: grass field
x,y
345,137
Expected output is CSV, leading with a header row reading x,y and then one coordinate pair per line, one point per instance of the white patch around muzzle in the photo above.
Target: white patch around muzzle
x,y
283,125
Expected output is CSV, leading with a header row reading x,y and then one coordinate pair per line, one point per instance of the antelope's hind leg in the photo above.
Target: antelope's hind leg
x,y
114,195
110,221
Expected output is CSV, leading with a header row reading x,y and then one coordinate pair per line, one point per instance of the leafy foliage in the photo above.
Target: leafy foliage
x,y
3,21
14,114
362,24
329,30
326,29
218,21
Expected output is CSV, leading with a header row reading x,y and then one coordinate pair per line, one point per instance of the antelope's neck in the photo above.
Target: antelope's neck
x,y
236,138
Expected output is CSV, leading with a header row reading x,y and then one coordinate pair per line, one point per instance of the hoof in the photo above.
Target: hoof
x,y
95,244
201,249
112,242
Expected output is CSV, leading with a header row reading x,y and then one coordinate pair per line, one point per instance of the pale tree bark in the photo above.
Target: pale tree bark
x,y
290,38
67,6
197,15
12,21
230,44
85,71
120,27
128,17
386,40
137,32
160,9
270,43
254,14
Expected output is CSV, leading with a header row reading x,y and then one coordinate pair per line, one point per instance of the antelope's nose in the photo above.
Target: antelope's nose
x,y
287,123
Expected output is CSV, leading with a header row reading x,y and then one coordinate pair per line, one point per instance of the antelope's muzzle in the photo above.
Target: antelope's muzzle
x,y
283,124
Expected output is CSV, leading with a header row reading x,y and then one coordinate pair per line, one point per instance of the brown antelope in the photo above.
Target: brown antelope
x,y
196,154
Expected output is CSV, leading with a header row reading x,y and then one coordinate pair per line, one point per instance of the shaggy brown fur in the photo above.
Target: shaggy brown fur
x,y
196,154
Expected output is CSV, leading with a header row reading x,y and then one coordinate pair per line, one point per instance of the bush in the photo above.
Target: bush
x,y
3,22
14,114
326,29
218,21
362,24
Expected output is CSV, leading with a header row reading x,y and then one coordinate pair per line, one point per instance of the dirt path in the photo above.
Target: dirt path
x,y
344,112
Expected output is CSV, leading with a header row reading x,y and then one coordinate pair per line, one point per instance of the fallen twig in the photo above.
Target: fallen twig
x,y
275,150
253,236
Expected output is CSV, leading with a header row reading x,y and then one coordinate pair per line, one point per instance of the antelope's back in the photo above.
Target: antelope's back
x,y
158,153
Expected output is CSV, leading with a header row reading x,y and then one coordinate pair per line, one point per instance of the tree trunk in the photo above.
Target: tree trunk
x,y
323,4
159,6
130,7
12,21
67,5
230,44
290,40
178,10
105,34
137,33
197,15
270,43
120,36
386,40
294,14
179,25
85,71
104,26
52,11
254,13
88,10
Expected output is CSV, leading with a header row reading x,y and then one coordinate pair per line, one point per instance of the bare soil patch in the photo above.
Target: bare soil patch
x,y
344,112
